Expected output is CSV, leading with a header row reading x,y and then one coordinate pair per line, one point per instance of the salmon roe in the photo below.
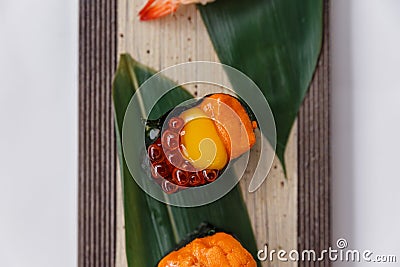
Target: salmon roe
x,y
167,165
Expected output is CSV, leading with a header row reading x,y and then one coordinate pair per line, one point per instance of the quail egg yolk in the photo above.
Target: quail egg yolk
x,y
200,142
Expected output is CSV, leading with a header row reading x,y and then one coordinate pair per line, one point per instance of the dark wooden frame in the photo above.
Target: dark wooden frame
x,y
97,154
314,158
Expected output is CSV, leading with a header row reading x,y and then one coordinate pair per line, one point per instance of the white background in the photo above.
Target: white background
x,y
38,134
38,137
366,125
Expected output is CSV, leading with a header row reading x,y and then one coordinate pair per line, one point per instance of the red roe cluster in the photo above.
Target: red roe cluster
x,y
169,168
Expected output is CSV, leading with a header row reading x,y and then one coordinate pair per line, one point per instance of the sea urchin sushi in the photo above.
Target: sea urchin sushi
x,y
220,249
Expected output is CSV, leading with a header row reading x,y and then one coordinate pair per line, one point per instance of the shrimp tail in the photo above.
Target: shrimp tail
x,y
158,8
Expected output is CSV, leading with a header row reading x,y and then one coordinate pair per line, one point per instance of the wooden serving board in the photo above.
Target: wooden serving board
x,y
288,214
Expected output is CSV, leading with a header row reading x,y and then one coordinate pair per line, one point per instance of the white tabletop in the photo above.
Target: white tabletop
x,y
38,137
366,125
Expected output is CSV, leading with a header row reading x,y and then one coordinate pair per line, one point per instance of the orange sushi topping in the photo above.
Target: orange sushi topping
x,y
232,121
218,250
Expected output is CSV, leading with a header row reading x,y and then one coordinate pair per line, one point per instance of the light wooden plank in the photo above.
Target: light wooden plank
x,y
180,38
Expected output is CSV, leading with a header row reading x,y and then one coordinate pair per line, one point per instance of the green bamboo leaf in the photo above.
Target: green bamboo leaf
x,y
276,43
154,228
